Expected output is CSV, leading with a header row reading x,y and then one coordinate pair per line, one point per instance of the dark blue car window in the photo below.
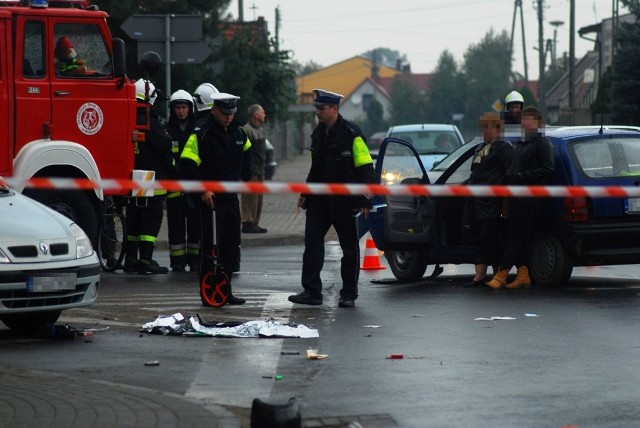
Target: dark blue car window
x,y
606,158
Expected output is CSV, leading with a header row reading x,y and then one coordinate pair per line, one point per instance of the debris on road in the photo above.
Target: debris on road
x,y
494,319
178,325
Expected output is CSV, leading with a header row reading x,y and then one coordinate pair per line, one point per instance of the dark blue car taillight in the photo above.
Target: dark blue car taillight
x,y
575,210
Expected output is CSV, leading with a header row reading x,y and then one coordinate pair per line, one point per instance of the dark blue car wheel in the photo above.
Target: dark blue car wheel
x,y
550,264
407,265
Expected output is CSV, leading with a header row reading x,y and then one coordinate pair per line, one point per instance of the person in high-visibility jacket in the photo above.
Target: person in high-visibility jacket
x,y
219,150
144,214
339,154
182,218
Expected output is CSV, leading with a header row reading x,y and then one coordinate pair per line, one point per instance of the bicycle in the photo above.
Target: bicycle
x,y
112,234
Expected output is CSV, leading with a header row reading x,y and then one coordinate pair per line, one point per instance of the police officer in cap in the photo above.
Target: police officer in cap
x,y
339,154
219,150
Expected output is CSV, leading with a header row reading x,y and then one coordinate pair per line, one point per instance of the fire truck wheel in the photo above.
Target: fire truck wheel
x,y
73,204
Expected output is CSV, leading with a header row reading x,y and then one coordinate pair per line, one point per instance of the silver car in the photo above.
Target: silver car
x,y
47,264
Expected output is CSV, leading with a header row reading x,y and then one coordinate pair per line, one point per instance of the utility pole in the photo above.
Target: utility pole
x,y
240,11
554,57
541,60
278,29
572,53
518,4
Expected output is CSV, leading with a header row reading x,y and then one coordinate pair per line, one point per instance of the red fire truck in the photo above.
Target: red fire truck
x,y
67,109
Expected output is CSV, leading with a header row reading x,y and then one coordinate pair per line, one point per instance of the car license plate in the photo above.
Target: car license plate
x,y
52,281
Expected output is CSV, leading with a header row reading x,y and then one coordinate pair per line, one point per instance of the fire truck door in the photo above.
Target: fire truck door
x,y
32,89
89,105
5,95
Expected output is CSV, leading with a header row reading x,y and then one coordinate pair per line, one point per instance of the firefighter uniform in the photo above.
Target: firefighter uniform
x,y
182,217
144,215
218,153
339,154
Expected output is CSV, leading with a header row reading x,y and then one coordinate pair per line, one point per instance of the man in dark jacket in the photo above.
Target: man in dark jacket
x,y
339,154
219,150
144,214
182,219
531,164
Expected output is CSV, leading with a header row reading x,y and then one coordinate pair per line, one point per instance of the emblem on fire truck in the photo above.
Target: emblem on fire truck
x,y
89,118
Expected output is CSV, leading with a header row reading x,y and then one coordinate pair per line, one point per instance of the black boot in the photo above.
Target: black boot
x,y
147,264
233,300
131,257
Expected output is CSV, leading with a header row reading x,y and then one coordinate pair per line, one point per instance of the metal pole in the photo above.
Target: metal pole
x,y
572,53
167,59
541,60
524,47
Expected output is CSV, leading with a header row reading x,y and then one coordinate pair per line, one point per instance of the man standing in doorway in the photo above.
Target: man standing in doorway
x,y
339,154
251,203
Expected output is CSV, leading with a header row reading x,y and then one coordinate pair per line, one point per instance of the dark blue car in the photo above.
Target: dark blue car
x,y
415,232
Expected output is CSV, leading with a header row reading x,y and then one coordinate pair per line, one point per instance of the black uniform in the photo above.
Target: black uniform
x,y
337,157
179,210
144,215
215,154
489,167
531,164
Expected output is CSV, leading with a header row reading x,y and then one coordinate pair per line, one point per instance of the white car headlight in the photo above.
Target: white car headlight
x,y
4,258
83,244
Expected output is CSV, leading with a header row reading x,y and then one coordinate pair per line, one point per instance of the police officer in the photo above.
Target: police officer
x,y
180,125
339,154
144,215
219,150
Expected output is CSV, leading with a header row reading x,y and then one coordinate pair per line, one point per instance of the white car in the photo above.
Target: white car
x,y
432,141
47,264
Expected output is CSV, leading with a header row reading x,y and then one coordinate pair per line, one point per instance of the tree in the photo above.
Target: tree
x,y
407,103
486,69
625,76
304,69
374,121
447,92
245,65
385,56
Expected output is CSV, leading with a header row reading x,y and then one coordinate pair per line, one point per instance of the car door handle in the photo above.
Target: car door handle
x,y
59,93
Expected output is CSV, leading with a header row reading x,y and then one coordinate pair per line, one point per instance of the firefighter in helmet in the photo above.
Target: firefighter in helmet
x,y
144,214
202,100
514,103
181,218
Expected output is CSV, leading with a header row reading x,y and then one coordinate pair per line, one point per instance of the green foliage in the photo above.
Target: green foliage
x,y
625,76
487,67
304,69
407,104
447,92
385,56
374,121
602,103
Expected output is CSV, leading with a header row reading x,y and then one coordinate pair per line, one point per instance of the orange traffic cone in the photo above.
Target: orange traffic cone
x,y
371,257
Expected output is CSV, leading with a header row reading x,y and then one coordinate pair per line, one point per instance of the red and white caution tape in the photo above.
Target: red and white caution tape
x,y
123,186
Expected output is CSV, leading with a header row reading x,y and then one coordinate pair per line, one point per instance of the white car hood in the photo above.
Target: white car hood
x,y
23,221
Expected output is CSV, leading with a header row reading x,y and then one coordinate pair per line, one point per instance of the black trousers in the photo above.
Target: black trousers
x,y
227,234
317,224
183,220
524,217
144,218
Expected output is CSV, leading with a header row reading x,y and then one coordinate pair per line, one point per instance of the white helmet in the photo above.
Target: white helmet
x,y
513,97
141,88
202,96
181,97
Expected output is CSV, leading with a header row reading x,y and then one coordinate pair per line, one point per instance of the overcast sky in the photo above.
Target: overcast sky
x,y
330,31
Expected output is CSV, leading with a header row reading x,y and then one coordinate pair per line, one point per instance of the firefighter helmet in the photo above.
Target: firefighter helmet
x,y
141,91
513,97
202,96
181,97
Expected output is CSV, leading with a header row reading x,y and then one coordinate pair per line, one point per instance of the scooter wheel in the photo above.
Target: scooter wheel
x,y
215,288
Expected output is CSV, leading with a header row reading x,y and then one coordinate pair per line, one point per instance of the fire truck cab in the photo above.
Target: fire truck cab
x,y
67,108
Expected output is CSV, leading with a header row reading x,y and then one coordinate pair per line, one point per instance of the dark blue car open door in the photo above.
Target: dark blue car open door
x,y
399,221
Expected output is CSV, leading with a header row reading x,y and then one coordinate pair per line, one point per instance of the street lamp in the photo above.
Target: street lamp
x,y
554,55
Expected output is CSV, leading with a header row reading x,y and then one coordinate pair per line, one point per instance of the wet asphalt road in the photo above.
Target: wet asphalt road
x,y
569,357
